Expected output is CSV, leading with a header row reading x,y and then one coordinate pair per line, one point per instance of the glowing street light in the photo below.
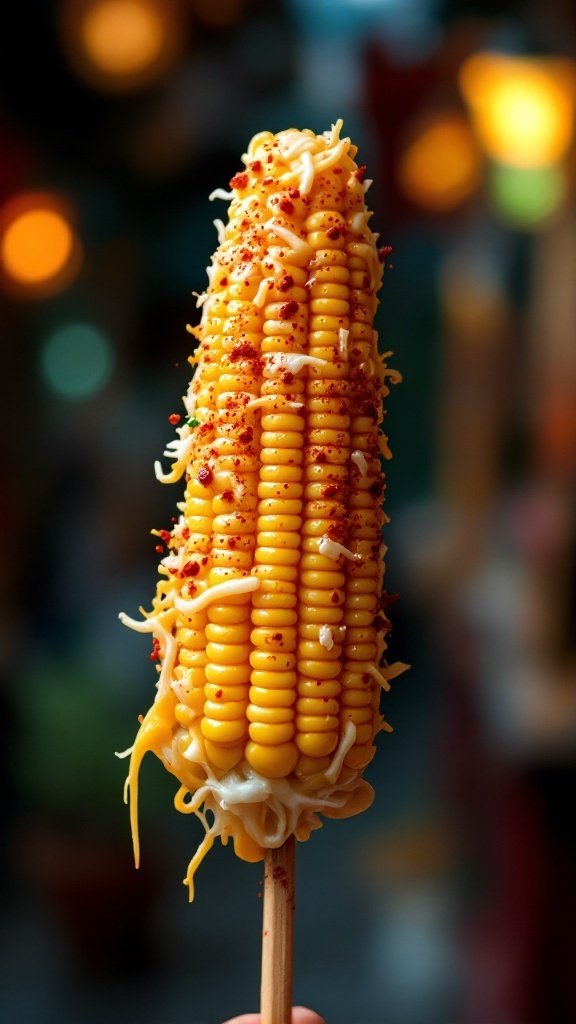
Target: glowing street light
x,y
120,45
39,252
527,197
442,165
522,108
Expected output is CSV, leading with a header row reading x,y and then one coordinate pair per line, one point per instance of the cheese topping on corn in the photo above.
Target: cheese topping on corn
x,y
269,619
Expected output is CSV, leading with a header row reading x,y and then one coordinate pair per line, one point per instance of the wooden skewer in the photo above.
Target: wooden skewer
x,y
278,934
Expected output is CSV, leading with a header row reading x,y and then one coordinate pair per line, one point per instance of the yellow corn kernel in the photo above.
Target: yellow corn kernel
x,y
266,622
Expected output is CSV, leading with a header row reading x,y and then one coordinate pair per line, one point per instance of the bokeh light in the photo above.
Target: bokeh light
x,y
77,360
121,44
527,197
523,109
39,251
442,166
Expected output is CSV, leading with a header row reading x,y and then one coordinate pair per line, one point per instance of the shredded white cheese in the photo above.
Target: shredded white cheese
x,y
359,459
179,449
263,288
154,624
343,342
326,637
331,549
221,230
307,175
240,585
299,245
220,193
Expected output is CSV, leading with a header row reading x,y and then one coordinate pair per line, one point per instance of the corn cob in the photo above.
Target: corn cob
x,y
267,622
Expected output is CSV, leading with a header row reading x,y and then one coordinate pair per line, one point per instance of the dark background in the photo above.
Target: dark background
x,y
453,900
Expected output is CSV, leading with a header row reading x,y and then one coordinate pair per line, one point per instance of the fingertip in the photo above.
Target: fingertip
x,y
301,1015
245,1018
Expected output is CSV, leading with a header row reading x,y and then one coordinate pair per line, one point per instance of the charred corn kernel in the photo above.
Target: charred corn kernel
x,y
267,625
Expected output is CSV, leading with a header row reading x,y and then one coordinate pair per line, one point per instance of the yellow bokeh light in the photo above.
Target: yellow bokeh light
x,y
523,109
39,252
121,44
442,166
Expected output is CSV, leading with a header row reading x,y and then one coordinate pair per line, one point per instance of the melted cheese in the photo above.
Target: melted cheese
x,y
276,401
291,361
307,173
236,800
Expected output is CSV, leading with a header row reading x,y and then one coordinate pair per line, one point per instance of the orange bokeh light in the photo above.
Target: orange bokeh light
x,y
121,44
523,109
122,36
39,250
441,166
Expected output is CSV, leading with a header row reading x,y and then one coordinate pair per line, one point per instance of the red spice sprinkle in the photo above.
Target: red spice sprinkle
x,y
288,310
277,636
155,653
255,165
246,435
334,597
204,475
174,418
227,496
239,181
159,549
330,491
360,173
268,181
242,351
165,535
286,206
286,283
218,694
191,569
224,282
321,457
245,255
384,251
333,233
294,193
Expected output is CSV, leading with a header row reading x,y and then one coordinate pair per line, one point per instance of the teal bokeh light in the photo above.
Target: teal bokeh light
x,y
77,360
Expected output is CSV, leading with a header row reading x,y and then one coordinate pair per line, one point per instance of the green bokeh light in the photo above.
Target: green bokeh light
x,y
77,360
526,197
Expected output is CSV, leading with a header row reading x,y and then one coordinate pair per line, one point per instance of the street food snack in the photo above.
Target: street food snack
x,y
269,621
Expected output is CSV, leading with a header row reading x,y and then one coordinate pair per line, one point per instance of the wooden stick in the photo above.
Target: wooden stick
x,y
278,934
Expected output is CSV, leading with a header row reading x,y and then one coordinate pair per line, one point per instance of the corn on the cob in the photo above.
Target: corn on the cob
x,y
267,620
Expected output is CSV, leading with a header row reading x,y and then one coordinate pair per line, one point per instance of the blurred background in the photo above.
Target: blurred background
x,y
453,900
